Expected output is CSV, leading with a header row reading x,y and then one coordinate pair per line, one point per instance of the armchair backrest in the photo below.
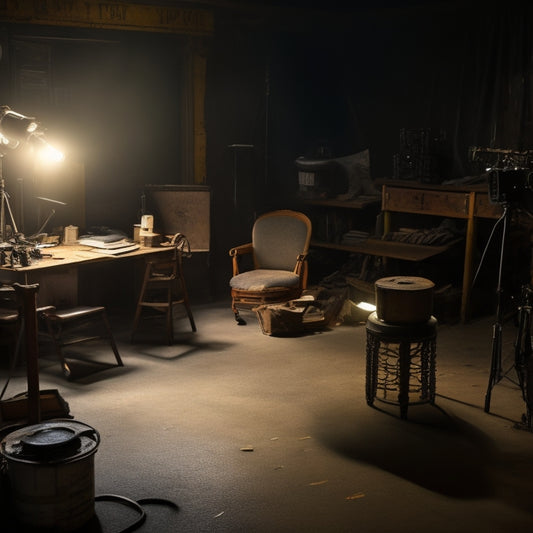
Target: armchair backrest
x,y
279,237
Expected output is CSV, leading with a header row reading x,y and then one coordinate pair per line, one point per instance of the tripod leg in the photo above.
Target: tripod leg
x,y
495,368
526,381
496,362
522,348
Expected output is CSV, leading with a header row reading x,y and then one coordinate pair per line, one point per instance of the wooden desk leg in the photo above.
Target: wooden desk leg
x,y
469,260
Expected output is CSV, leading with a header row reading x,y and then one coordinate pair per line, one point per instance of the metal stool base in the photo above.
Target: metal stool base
x,y
400,363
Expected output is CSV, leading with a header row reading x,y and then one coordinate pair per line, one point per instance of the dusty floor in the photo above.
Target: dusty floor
x,y
175,422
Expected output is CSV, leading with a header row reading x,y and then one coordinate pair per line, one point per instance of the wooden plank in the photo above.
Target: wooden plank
x,y
426,202
356,203
118,15
392,249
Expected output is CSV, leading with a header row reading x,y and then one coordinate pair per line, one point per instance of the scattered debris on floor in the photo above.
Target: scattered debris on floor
x,y
356,496
315,310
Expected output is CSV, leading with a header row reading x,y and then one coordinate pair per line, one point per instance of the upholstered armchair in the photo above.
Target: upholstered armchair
x,y
278,268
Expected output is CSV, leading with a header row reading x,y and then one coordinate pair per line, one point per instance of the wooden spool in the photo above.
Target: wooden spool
x,y
404,299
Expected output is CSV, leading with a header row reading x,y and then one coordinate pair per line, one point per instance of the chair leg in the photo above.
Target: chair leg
x,y
189,314
138,312
136,319
185,298
170,324
240,321
238,318
55,335
111,338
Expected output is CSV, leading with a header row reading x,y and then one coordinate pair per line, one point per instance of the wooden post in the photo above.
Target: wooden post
x,y
469,258
28,295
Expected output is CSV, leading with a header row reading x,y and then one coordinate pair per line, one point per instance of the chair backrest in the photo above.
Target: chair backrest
x,y
279,237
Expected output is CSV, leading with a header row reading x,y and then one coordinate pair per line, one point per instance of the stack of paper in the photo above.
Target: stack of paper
x,y
116,251
102,245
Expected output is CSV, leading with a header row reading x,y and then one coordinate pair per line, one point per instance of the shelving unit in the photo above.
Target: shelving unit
x,y
332,218
372,245
460,202
394,250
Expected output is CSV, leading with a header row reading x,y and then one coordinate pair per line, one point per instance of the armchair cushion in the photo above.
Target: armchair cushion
x,y
261,279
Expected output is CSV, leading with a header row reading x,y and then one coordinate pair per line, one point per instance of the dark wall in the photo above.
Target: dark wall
x,y
280,86
110,100
353,82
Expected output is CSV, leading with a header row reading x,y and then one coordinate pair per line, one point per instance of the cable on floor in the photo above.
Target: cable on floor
x,y
135,505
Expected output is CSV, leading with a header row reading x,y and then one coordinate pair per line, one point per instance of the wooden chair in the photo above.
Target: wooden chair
x,y
9,320
163,288
12,321
279,247
77,325
57,326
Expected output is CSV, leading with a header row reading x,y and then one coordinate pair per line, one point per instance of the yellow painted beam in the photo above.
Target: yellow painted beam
x,y
109,15
199,62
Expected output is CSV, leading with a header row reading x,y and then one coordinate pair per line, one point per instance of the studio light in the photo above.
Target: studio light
x,y
16,128
19,130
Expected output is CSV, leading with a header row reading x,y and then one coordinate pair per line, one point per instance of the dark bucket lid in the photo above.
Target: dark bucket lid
x,y
54,441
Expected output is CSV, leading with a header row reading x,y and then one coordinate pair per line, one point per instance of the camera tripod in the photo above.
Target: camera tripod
x,y
523,360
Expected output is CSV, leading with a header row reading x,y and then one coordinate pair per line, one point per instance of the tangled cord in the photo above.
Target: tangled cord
x,y
136,506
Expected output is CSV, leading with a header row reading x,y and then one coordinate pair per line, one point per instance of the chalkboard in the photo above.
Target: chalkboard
x,y
181,209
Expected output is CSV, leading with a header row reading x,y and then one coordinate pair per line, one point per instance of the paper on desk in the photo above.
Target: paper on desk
x,y
117,251
107,245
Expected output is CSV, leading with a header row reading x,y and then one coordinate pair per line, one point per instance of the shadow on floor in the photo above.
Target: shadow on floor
x,y
431,448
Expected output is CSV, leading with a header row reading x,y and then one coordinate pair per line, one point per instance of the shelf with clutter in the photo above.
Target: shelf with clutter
x,y
385,218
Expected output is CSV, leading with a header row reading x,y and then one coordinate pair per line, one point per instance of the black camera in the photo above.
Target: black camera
x,y
509,185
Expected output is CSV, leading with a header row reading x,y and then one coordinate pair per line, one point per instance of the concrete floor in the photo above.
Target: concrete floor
x,y
174,422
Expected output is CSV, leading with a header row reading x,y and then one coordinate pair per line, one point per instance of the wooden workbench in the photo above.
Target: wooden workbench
x,y
463,202
57,273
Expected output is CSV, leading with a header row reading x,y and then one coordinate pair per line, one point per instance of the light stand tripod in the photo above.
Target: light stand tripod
x,y
5,208
496,371
522,358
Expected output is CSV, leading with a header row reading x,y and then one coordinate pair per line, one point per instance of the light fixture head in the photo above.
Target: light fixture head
x,y
15,127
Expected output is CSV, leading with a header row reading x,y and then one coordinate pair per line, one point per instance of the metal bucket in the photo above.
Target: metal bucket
x,y
51,474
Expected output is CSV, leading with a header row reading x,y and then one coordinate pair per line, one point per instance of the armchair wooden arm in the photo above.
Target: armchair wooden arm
x,y
236,251
301,269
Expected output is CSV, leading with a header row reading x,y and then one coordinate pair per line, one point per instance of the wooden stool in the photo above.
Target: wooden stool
x,y
163,287
58,322
400,361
